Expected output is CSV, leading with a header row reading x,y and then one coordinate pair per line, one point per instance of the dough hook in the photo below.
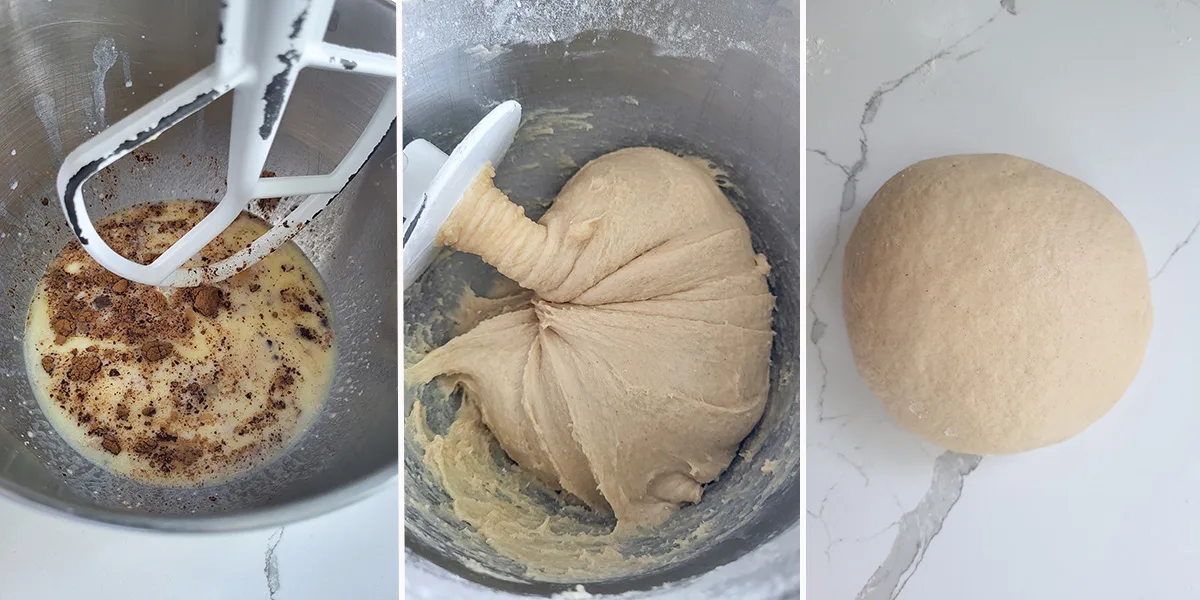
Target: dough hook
x,y
434,183
261,47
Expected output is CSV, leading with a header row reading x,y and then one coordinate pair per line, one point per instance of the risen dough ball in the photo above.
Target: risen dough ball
x,y
640,359
993,304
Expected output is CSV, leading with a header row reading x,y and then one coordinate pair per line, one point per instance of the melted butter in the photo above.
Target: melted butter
x,y
237,388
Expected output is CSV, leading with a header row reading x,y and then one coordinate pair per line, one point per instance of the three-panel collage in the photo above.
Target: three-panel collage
x,y
510,299
366,299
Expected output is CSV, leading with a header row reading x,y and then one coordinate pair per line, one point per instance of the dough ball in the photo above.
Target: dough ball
x,y
639,360
993,304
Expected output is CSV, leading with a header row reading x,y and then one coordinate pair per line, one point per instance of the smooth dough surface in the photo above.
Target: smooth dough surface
x,y
993,304
639,360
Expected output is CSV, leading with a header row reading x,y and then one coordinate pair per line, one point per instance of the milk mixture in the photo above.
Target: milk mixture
x,y
179,386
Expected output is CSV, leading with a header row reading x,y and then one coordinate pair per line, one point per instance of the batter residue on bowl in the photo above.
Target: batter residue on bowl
x,y
175,386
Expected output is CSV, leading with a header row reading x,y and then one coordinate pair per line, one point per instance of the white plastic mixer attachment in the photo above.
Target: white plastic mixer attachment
x,y
261,47
434,183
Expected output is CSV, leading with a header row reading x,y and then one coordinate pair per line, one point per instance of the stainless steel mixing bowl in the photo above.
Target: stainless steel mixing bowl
x,y
72,66
713,79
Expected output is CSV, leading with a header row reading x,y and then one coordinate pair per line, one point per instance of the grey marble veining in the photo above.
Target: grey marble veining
x,y
1102,91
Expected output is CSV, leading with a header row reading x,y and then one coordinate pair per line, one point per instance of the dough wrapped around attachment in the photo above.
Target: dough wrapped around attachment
x,y
640,361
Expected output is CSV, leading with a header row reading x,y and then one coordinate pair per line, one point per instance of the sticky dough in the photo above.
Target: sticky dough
x,y
639,360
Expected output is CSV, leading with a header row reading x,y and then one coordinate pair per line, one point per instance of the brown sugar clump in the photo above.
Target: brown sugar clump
x,y
145,446
83,367
257,422
207,301
156,351
283,379
63,326
48,363
112,445
188,454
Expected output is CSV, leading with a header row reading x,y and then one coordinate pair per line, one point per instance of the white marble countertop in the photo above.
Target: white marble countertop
x,y
352,553
1107,91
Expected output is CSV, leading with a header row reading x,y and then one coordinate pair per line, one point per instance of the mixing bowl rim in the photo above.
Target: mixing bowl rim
x,y
244,520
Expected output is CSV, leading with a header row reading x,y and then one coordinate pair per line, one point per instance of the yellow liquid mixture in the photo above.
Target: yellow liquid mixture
x,y
180,386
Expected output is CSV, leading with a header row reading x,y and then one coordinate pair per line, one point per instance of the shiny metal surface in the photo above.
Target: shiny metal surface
x,y
717,80
70,67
